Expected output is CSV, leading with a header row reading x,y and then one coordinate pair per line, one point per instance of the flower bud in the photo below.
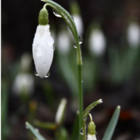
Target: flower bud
x,y
60,112
97,42
43,50
133,34
43,45
91,130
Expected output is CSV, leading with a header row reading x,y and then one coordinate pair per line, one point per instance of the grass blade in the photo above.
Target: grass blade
x,y
111,127
32,129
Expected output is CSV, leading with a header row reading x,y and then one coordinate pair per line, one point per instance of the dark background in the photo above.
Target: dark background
x,y
19,22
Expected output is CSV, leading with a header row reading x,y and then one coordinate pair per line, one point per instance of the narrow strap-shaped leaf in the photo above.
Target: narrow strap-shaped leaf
x,y
110,129
88,109
75,129
37,135
46,125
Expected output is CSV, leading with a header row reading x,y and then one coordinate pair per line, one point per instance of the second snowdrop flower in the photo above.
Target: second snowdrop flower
x,y
61,111
133,34
97,42
63,42
91,130
43,45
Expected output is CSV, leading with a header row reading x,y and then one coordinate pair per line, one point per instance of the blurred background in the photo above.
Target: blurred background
x,y
109,33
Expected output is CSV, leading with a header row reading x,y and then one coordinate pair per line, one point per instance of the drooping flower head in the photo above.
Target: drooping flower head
x,y
91,130
43,45
23,83
133,34
97,42
63,42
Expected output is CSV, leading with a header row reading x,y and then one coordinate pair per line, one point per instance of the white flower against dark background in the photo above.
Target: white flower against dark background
x,y
133,34
43,50
97,42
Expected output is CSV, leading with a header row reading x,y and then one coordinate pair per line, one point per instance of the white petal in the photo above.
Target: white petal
x,y
50,40
43,50
79,23
63,42
91,137
23,83
133,34
44,57
97,42
41,29
60,111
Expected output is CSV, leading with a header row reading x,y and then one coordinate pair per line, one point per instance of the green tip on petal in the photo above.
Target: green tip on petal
x,y
43,17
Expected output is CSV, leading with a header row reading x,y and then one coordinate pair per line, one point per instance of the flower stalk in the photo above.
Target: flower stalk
x,y
68,19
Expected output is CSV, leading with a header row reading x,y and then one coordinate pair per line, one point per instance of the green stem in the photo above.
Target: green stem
x,y
80,86
84,129
80,98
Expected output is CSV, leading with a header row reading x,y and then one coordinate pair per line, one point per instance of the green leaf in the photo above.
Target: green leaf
x,y
91,106
61,134
68,74
32,129
75,130
45,125
110,129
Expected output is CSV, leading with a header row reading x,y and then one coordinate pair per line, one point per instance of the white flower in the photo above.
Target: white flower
x,y
91,137
97,42
24,83
79,23
60,111
133,34
43,50
63,42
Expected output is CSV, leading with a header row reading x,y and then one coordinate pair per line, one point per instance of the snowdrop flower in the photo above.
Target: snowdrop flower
x,y
63,42
91,130
43,45
79,23
60,112
76,17
97,42
133,34
24,83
